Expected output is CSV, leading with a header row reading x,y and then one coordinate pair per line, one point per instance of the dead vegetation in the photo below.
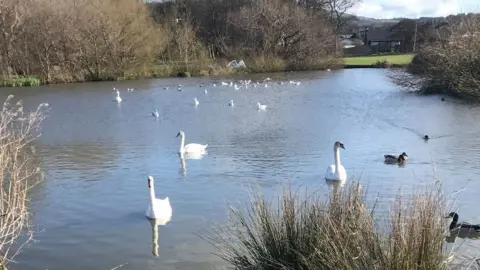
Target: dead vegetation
x,y
79,40
304,231
19,171
451,63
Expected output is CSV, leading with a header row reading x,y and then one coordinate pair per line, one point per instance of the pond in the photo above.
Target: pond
x,y
97,155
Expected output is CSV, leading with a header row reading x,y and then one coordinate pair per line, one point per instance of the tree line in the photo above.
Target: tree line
x,y
78,40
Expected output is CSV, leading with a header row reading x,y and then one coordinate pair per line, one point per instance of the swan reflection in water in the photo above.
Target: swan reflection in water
x,y
335,185
184,156
155,223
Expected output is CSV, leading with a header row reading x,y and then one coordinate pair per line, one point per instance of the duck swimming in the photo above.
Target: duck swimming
x,y
454,225
426,137
394,159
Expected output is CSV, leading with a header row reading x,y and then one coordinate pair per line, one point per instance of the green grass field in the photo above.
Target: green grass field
x,y
399,59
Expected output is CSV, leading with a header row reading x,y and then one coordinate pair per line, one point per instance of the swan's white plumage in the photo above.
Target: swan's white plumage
x,y
194,148
118,98
336,171
261,107
340,176
191,147
159,209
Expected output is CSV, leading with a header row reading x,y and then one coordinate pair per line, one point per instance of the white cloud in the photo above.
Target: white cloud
x,y
413,8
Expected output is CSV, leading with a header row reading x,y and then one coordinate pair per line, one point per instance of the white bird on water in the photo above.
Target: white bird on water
x,y
206,92
191,147
118,98
157,208
261,107
196,102
336,172
155,114
295,82
231,103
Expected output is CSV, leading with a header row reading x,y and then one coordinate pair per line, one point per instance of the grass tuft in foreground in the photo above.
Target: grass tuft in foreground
x,y
340,232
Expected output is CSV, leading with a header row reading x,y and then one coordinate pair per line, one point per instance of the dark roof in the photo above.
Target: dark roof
x,y
380,34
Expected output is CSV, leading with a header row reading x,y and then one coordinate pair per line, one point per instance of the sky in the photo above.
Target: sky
x,y
385,9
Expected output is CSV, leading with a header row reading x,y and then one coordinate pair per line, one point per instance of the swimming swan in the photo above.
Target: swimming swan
x,y
261,107
231,104
155,114
336,171
195,100
118,98
157,208
191,147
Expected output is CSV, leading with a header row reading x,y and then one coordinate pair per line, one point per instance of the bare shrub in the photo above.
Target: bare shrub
x,y
281,29
62,40
13,14
19,173
113,36
306,232
452,64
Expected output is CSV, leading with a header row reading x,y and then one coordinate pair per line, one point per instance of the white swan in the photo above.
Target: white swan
x,y
261,107
295,82
157,208
196,101
206,92
336,171
155,114
118,98
231,103
191,147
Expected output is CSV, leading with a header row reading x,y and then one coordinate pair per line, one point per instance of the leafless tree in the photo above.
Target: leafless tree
x,y
450,63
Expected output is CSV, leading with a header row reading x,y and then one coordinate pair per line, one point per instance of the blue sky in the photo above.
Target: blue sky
x,y
414,8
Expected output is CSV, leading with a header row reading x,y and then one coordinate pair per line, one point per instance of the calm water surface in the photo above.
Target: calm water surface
x,y
97,155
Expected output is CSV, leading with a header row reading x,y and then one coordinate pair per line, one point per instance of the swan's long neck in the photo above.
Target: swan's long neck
x,y
182,144
152,194
336,150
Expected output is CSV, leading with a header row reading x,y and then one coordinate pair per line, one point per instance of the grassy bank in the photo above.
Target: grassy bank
x,y
399,60
168,69
304,231
18,81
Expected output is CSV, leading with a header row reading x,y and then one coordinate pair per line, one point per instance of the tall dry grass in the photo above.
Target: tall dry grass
x,y
341,232
18,173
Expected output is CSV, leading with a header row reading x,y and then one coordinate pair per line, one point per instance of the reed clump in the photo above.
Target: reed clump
x,y
341,232
19,173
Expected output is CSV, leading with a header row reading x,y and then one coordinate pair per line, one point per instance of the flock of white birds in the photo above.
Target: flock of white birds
x,y
160,209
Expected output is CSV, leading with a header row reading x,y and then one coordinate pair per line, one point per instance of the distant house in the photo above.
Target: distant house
x,y
382,39
349,41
